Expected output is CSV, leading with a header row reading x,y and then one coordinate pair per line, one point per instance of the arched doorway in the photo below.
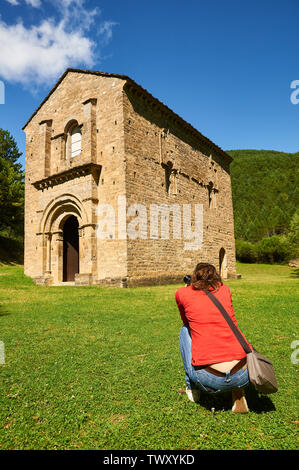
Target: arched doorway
x,y
222,263
70,248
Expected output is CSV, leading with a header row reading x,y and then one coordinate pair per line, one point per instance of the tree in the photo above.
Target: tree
x,y
8,148
11,186
294,229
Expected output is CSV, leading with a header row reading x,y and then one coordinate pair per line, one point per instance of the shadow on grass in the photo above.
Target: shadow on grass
x,y
3,312
258,403
223,401
295,273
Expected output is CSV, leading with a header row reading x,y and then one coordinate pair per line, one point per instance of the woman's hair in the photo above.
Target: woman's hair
x,y
205,276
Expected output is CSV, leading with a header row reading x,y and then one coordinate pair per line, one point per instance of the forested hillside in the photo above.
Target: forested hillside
x,y
265,190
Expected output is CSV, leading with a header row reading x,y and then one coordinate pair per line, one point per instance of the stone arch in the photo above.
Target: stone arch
x,y
60,208
222,263
51,231
71,122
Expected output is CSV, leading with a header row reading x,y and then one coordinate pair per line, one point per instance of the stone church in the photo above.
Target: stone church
x,y
101,154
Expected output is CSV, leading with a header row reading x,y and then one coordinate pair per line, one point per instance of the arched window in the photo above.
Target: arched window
x,y
76,138
73,140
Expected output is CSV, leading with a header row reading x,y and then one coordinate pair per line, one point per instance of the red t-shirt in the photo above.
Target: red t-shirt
x,y
212,340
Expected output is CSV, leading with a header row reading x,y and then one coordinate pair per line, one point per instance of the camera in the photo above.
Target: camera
x,y
187,279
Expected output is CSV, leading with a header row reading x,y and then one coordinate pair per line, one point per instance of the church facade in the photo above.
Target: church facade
x,y
120,190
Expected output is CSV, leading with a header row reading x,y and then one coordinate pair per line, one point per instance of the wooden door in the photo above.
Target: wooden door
x,y
70,249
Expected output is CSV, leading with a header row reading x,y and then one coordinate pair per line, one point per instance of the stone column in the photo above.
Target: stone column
x,y
60,143
57,256
89,131
40,254
87,254
45,129
48,252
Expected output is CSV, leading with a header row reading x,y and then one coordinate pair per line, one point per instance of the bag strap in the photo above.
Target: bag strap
x,y
230,322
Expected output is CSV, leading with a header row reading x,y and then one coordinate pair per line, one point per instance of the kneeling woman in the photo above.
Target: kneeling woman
x,y
213,358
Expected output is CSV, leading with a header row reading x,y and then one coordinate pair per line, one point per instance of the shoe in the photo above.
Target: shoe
x,y
239,401
193,395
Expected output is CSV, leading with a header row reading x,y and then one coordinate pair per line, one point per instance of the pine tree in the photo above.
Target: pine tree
x,y
11,186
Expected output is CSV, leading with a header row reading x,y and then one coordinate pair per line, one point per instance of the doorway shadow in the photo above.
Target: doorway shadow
x,y
70,249
223,401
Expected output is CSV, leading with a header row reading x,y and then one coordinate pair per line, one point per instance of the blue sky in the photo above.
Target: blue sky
x,y
226,67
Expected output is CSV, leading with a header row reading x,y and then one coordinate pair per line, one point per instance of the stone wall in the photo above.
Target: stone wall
x,y
155,146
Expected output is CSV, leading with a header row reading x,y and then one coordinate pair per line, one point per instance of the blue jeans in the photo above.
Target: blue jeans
x,y
201,378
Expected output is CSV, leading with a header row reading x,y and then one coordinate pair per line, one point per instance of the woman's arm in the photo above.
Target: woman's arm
x,y
181,308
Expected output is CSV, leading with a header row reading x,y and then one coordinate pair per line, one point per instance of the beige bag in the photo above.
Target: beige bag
x,y
260,369
261,373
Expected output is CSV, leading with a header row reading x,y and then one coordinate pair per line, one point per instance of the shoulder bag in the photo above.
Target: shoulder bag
x,y
260,369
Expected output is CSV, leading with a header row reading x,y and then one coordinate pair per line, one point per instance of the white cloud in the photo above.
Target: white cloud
x,y
38,54
105,29
34,3
13,2
75,13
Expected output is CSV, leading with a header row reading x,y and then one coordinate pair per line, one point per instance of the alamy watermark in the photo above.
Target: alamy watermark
x,y
151,222
2,92
2,353
295,94
295,345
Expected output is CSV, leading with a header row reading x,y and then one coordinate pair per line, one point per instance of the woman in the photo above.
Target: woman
x,y
213,358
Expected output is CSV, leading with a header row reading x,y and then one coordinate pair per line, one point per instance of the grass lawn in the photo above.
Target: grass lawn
x,y
100,368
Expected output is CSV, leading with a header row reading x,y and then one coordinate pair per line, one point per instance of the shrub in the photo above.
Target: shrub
x,y
11,250
275,249
245,251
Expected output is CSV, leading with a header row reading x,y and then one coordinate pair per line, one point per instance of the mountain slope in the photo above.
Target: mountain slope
x,y
265,189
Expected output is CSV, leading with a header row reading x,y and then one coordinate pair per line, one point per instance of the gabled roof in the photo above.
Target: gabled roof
x,y
135,85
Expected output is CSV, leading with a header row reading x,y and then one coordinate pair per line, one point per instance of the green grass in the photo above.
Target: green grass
x,y
100,368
